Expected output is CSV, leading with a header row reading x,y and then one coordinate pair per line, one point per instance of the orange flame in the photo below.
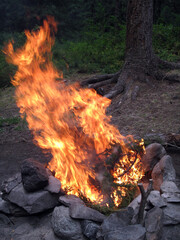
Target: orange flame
x,y
67,120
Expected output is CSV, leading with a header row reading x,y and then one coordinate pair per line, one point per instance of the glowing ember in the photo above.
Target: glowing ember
x,y
69,121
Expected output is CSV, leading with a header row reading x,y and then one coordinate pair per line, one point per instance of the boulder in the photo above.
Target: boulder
x,y
4,220
11,183
154,152
89,229
153,224
34,175
9,208
68,200
171,232
163,171
79,211
34,202
131,232
117,220
169,187
156,200
54,185
64,226
28,231
135,204
171,214
171,197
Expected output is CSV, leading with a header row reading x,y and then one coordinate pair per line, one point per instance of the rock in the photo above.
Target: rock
x,y
171,232
54,185
171,214
135,203
131,232
34,175
171,197
11,183
154,152
34,202
163,171
64,226
4,220
117,220
21,230
90,229
167,167
12,209
79,211
169,187
4,206
68,200
99,235
5,233
156,200
26,231
153,224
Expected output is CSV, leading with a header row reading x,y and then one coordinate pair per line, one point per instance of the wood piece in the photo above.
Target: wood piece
x,y
144,196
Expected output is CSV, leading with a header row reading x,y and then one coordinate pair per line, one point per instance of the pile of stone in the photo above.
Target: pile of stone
x,y
33,206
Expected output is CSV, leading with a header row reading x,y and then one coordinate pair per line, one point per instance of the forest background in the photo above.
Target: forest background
x,y
91,34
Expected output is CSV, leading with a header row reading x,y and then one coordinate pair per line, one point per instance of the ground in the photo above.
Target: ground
x,y
156,112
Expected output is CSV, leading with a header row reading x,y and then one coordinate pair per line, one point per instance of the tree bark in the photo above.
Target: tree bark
x,y
140,64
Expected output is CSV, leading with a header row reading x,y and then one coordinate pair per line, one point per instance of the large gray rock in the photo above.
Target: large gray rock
x,y
34,175
171,232
117,220
34,202
135,203
11,209
64,226
33,228
54,185
11,183
79,211
68,200
171,214
153,224
156,200
90,229
163,171
171,197
131,232
154,152
169,187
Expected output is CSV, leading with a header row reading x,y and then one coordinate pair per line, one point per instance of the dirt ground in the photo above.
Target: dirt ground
x,y
155,112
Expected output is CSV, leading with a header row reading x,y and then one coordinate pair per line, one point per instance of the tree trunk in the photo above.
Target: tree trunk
x,y
140,62
139,55
139,52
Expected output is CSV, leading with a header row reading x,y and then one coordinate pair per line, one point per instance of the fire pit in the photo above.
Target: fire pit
x,y
90,159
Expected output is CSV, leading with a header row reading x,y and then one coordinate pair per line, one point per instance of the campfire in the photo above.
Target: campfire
x,y
71,122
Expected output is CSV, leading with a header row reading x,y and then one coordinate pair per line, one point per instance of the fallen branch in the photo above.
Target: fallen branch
x,y
97,79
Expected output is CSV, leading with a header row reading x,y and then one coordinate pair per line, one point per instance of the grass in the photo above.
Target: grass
x,y
96,51
9,121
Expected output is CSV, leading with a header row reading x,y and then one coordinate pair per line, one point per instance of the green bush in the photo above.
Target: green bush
x,y
96,51
8,70
99,51
166,42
